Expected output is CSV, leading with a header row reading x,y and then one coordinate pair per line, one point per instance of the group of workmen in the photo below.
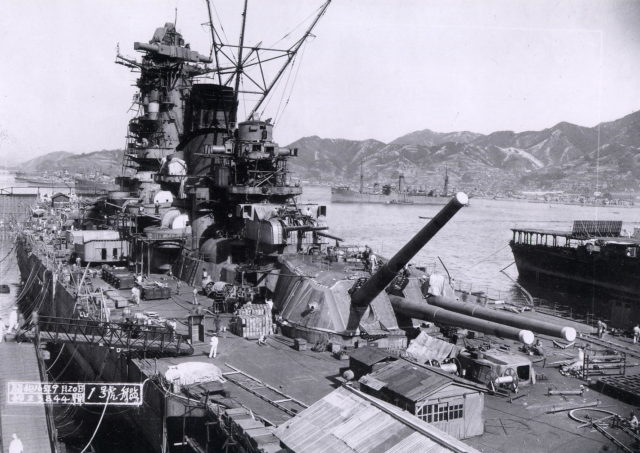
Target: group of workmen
x,y
602,329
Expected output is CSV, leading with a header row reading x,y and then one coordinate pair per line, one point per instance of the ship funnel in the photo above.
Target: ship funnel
x,y
381,279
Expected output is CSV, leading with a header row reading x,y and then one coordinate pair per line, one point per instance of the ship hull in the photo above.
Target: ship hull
x,y
89,362
394,198
576,269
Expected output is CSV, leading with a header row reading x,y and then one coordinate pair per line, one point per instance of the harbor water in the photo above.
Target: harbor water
x,y
474,246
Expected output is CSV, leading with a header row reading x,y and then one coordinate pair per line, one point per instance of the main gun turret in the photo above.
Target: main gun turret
x,y
362,297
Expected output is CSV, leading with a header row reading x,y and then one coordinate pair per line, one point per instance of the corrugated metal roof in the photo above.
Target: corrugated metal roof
x,y
372,382
414,381
348,421
369,356
425,347
410,380
506,358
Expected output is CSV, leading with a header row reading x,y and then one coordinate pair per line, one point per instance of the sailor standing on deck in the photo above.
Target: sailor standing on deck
x,y
1,330
205,279
13,320
373,262
16,445
602,327
636,333
135,295
213,342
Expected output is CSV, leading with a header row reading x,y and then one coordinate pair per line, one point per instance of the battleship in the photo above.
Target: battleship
x,y
250,327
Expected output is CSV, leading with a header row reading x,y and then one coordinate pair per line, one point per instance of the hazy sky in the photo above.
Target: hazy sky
x,y
376,68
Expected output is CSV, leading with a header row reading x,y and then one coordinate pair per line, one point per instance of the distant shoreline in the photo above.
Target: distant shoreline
x,y
561,203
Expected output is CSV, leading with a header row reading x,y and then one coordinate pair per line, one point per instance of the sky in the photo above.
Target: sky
x,y
374,69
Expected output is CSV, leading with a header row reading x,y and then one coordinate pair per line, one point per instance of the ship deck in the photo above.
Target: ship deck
x,y
570,235
307,376
509,425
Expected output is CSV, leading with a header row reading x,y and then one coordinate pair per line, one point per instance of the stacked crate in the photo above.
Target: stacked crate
x,y
152,292
252,321
252,434
118,277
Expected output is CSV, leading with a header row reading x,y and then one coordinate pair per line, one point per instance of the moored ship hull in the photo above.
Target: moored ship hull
x,y
577,269
348,196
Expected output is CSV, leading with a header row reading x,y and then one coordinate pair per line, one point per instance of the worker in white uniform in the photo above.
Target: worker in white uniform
x,y
373,260
135,295
213,342
13,320
636,333
16,445
602,328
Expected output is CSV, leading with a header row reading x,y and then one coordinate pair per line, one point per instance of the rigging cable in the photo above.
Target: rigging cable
x,y
295,78
295,27
286,84
54,362
67,365
97,426
489,256
9,253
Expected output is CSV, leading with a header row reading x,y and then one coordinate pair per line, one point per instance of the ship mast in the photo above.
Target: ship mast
x,y
290,56
238,65
446,181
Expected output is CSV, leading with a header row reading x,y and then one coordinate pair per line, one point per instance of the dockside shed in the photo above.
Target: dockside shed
x,y
99,246
453,405
367,360
59,200
349,421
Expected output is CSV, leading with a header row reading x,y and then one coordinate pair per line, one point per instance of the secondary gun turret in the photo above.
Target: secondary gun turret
x,y
363,296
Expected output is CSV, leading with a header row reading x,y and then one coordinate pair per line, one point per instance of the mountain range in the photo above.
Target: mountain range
x,y
563,157
108,162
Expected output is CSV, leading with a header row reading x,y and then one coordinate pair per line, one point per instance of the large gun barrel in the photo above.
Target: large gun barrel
x,y
379,281
421,310
510,319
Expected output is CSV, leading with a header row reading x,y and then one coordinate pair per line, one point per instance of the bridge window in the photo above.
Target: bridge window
x,y
115,253
104,254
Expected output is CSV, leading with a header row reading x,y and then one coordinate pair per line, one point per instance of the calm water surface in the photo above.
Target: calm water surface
x,y
473,245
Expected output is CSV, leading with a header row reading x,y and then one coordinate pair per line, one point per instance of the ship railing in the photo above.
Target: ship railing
x,y
485,293
604,365
148,339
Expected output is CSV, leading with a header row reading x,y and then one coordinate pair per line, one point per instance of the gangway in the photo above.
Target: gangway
x,y
157,341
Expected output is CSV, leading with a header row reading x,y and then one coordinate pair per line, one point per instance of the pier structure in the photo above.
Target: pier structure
x,y
30,422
